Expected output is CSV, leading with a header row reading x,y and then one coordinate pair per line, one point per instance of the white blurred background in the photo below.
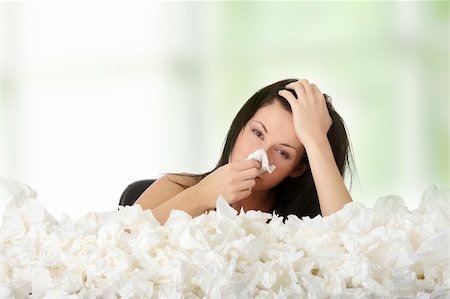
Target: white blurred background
x,y
94,96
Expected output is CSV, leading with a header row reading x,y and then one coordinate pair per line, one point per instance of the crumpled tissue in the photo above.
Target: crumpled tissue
x,y
383,252
261,156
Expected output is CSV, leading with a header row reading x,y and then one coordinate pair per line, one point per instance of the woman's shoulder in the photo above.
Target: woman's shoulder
x,y
165,188
181,179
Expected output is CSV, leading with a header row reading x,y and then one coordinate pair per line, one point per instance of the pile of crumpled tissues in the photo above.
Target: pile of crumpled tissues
x,y
386,251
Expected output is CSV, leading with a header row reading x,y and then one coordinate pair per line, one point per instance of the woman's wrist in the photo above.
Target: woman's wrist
x,y
316,143
200,199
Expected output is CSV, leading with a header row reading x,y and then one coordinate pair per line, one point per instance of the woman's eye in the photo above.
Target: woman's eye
x,y
258,133
283,153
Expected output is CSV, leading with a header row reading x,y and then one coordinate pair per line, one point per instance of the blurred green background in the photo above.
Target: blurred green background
x,y
96,95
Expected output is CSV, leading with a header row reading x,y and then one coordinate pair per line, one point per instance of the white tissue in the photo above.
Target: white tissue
x,y
384,252
224,210
261,156
12,190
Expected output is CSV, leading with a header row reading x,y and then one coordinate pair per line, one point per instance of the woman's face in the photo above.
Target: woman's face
x,y
272,129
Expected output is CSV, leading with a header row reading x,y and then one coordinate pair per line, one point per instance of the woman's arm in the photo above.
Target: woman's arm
x,y
233,181
312,122
330,186
165,195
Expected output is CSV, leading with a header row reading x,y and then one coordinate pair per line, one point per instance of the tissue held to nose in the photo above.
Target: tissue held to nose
x,y
261,156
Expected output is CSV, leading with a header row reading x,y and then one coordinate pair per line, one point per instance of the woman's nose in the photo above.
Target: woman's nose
x,y
270,157
269,153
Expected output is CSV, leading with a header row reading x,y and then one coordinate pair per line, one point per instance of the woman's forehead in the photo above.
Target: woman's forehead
x,y
277,121
272,111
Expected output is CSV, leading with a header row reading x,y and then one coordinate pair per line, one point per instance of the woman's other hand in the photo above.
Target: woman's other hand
x,y
312,122
309,111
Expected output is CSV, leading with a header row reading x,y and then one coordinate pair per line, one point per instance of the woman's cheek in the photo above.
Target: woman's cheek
x,y
281,171
243,147
275,177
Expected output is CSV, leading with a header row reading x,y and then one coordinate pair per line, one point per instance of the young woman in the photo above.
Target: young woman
x,y
304,137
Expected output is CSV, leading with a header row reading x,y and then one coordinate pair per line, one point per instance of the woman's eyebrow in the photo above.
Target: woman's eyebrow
x,y
264,127
283,144
288,145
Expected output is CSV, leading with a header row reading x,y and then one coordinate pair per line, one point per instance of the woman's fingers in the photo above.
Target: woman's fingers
x,y
247,164
308,89
289,96
317,93
247,184
247,174
309,110
304,90
298,88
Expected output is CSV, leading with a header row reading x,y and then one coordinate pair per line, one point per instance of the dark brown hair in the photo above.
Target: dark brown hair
x,y
297,195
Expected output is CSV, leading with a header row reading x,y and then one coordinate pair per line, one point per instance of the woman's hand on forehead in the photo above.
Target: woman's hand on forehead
x,y
309,110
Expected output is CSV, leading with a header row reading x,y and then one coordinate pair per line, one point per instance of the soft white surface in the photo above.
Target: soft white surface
x,y
261,156
359,252
13,190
